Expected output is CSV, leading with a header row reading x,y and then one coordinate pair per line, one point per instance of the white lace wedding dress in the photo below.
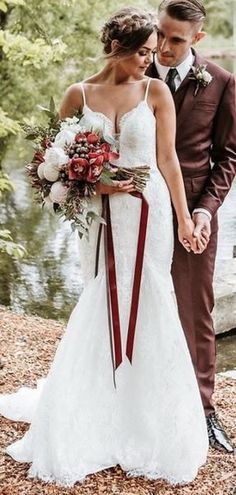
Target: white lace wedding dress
x,y
152,423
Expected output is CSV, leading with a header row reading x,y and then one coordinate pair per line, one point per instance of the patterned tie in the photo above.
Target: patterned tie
x,y
170,79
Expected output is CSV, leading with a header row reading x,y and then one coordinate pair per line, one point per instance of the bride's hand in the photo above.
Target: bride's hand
x,y
118,186
202,241
185,235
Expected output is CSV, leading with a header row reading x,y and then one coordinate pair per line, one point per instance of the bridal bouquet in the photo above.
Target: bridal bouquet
x,y
68,162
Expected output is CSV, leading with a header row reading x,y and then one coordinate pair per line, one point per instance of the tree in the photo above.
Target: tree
x,y
220,15
22,57
44,46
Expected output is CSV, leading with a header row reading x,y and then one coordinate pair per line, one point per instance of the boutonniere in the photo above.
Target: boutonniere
x,y
201,76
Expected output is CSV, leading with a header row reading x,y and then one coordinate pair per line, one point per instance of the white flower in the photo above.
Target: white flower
x,y
201,76
50,172
71,124
70,121
40,170
65,136
58,193
206,76
56,157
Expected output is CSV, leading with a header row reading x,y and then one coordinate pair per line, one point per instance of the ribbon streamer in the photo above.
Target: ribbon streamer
x,y
137,275
112,292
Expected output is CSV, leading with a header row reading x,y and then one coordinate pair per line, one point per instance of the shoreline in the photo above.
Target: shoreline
x,y
214,53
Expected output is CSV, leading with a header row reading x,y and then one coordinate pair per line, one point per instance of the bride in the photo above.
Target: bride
x,y
142,411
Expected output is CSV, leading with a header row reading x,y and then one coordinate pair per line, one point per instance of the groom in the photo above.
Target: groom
x,y
206,147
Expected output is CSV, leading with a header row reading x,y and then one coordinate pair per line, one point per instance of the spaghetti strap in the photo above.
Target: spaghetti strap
x,y
147,88
83,93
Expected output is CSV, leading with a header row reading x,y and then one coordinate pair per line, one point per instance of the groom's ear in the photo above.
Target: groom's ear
x,y
198,37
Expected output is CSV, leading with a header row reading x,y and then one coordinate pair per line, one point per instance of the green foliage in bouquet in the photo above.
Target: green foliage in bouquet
x,y
37,133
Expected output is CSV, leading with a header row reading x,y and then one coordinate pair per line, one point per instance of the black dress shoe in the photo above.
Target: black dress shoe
x,y
218,439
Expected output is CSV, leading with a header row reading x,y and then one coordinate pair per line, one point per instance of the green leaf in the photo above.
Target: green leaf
x,y
100,220
31,137
45,110
3,7
106,180
52,105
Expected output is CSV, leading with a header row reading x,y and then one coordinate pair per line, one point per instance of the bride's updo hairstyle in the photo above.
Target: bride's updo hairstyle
x,y
131,27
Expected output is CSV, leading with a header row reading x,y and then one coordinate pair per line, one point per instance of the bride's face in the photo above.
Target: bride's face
x,y
136,64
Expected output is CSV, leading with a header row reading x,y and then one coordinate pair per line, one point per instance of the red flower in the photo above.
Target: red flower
x,y
78,168
97,161
94,154
105,147
92,138
94,173
79,137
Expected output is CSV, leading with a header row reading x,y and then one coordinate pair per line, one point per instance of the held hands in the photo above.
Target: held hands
x,y
118,186
195,234
202,231
185,235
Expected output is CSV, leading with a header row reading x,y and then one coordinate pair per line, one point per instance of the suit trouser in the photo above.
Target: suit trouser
x,y
193,282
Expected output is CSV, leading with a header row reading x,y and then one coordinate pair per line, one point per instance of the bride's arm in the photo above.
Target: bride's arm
x,y
72,101
168,162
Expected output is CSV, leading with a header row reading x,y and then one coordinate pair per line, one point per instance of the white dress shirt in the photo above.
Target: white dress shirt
x,y
182,70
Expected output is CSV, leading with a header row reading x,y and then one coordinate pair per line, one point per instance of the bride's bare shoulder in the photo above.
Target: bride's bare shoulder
x,y
158,87
74,91
159,92
72,100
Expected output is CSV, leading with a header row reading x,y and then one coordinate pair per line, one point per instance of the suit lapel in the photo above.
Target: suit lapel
x,y
188,99
184,96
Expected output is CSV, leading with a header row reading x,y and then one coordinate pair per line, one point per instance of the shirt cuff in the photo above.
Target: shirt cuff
x,y
202,210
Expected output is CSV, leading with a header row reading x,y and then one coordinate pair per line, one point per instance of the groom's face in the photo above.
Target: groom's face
x,y
174,40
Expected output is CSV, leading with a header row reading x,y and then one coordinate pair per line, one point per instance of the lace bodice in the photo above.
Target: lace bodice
x,y
137,137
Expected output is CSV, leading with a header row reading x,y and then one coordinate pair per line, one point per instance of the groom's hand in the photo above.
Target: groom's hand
x,y
202,231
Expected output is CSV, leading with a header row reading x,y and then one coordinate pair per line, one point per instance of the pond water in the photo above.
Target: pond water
x,y
48,280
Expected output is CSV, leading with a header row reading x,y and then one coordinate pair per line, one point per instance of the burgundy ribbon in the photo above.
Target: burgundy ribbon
x,y
137,275
112,293
112,285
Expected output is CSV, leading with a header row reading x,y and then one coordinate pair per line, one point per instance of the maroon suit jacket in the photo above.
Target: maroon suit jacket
x,y
206,135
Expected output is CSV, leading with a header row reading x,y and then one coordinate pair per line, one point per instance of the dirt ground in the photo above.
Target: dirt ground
x,y
27,346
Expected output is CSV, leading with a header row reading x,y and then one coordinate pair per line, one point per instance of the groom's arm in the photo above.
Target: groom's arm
x,y
223,152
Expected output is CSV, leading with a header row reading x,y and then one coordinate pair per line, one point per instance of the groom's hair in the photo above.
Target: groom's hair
x,y
184,10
